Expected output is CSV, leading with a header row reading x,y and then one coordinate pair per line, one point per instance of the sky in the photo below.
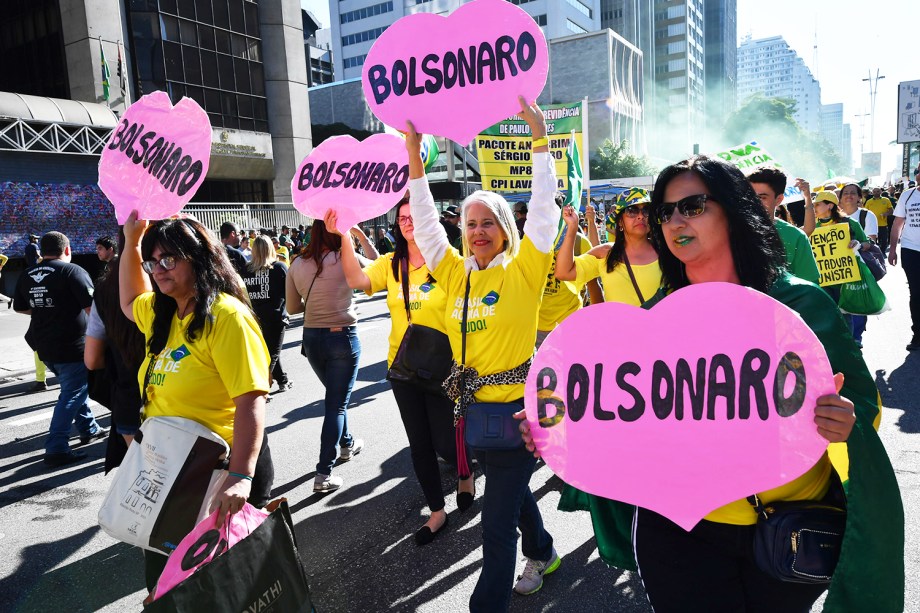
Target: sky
x,y
853,39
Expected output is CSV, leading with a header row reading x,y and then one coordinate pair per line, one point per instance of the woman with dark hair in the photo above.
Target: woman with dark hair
x,y
710,227
628,267
206,360
426,416
316,287
265,282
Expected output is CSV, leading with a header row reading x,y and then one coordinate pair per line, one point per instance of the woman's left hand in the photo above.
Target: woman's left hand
x,y
532,114
234,495
835,415
330,219
854,244
526,436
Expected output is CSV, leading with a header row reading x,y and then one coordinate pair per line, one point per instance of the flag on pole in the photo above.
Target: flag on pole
x,y
122,79
105,72
573,173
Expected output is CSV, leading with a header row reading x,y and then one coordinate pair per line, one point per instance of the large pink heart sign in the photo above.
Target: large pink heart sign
x,y
156,158
705,399
455,76
359,180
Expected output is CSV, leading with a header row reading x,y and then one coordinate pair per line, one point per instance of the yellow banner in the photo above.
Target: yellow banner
x,y
837,263
505,164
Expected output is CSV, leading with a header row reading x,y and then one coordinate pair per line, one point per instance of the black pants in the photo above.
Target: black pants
x,y
910,260
883,238
429,423
273,333
259,495
710,569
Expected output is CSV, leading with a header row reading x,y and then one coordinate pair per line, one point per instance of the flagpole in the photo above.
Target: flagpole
x,y
585,148
123,75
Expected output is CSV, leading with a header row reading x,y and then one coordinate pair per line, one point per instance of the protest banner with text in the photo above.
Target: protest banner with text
x,y
680,419
504,150
454,76
837,263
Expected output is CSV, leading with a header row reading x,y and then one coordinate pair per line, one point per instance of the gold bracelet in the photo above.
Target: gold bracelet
x,y
540,142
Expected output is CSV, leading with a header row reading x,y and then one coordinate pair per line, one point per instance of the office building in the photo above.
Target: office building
x,y
769,66
356,24
317,49
837,134
720,41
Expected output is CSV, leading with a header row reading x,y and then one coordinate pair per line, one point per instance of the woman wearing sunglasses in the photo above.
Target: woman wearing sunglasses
x,y
628,267
710,227
426,416
206,359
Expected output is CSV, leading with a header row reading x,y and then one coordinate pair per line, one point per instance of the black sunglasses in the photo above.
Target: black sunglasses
x,y
691,206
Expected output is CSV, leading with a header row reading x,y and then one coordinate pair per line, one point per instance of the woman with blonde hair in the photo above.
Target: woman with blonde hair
x,y
265,281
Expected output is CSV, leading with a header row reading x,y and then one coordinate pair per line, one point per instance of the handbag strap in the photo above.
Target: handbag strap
x,y
632,278
147,374
404,278
466,303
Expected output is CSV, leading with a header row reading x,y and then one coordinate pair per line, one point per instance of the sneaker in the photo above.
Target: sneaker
x,y
62,459
327,483
38,386
283,387
100,433
531,580
347,453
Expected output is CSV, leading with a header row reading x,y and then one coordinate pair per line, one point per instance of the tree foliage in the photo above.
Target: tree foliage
x,y
614,161
771,122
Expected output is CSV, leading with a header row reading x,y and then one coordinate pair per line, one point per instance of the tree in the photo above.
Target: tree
x,y
614,161
771,122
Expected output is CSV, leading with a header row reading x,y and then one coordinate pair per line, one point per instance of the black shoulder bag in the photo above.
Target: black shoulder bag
x,y
424,355
632,278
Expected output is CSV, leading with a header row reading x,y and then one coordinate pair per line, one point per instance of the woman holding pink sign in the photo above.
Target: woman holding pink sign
x,y
709,226
494,288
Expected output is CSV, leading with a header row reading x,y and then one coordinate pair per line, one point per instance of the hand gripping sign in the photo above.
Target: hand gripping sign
x,y
455,76
156,158
359,180
705,399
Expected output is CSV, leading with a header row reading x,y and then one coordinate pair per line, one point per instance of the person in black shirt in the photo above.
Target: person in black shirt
x,y
265,279
230,237
58,296
449,220
33,255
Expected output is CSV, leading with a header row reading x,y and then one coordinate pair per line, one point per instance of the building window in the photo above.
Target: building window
x,y
581,8
521,2
360,37
354,62
32,44
364,13
570,25
540,19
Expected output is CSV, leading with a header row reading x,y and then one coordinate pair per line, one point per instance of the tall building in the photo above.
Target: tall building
x,y
837,134
318,51
769,66
720,42
356,24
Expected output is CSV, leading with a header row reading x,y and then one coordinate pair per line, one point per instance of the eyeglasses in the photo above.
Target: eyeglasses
x,y
167,262
404,219
689,207
634,210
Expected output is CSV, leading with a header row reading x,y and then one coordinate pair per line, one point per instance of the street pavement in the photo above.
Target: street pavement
x,y
356,543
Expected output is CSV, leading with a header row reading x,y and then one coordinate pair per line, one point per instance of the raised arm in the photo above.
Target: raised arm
x,y
591,219
370,252
132,281
542,213
565,258
354,275
809,226
429,233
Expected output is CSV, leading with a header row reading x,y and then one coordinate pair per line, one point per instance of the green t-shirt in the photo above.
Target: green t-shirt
x,y
800,259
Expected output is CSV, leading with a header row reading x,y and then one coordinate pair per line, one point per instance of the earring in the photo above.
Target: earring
x,y
620,228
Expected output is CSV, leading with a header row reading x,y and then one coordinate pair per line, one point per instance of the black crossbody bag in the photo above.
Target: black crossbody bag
x,y
424,355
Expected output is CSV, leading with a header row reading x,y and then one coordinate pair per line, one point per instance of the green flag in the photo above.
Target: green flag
x,y
573,173
105,72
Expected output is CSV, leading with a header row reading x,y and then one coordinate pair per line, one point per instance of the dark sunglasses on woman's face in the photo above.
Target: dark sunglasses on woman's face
x,y
691,206
167,262
634,210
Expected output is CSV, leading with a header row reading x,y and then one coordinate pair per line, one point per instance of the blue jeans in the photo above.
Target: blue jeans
x,y
71,407
858,323
334,358
507,506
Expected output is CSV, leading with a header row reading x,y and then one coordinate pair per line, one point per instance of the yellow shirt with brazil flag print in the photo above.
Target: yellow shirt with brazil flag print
x,y
426,299
618,286
561,298
199,379
502,313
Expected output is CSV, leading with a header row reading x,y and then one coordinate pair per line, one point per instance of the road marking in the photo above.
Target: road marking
x,y
31,419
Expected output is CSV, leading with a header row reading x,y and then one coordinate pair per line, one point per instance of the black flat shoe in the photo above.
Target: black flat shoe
x,y
62,459
465,499
425,535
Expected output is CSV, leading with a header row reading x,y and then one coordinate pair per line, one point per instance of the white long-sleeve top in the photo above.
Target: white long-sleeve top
x,y
541,226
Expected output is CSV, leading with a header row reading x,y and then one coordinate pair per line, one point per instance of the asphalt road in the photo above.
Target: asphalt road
x,y
356,543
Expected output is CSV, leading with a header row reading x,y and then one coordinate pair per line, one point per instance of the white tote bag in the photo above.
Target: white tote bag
x,y
165,485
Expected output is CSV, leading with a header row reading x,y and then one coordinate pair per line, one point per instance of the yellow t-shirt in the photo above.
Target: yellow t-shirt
x,y
502,314
878,206
561,298
199,379
617,285
427,300
813,485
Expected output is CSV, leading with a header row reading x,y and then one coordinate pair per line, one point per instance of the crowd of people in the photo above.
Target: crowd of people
x,y
191,324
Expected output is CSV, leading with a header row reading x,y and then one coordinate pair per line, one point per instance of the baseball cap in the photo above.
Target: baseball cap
x,y
450,211
826,196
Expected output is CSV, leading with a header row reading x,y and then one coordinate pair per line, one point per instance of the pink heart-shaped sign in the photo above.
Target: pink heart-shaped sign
x,y
705,399
359,180
456,76
156,158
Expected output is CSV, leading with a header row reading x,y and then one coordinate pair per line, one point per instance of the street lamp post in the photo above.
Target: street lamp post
x,y
873,90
